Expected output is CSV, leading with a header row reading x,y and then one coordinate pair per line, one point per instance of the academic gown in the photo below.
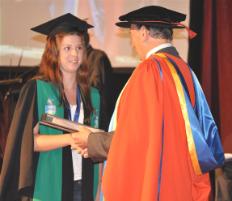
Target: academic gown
x,y
148,157
20,161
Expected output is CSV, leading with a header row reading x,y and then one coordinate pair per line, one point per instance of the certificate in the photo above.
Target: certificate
x,y
64,124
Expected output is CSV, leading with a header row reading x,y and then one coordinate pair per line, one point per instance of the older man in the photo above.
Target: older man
x,y
161,147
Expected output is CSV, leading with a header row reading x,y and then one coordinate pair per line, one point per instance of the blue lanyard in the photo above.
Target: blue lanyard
x,y
78,108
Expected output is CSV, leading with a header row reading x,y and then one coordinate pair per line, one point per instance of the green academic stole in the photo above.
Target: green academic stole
x,y
48,183
94,122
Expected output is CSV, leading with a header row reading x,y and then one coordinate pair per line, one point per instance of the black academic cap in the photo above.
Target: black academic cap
x,y
67,23
152,15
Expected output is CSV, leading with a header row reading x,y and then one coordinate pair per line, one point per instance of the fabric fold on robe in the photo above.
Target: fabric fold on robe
x,y
149,110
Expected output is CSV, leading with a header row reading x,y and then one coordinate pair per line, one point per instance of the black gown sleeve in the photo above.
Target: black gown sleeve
x,y
19,162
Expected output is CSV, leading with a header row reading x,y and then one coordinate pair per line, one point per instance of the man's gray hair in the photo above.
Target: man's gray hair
x,y
159,32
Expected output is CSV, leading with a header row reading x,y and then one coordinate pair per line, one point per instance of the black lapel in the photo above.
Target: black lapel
x,y
170,50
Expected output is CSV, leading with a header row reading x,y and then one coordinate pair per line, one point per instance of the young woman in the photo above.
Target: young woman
x,y
39,163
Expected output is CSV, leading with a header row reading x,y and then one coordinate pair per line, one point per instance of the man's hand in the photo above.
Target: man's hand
x,y
81,137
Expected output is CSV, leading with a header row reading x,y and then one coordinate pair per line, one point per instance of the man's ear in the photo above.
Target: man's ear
x,y
144,34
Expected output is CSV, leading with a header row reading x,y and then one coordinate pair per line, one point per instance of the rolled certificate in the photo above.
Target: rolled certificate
x,y
64,124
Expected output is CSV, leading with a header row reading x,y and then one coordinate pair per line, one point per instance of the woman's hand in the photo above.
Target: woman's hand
x,y
44,142
81,137
81,140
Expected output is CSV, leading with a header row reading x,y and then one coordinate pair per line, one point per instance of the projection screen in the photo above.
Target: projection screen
x,y
19,46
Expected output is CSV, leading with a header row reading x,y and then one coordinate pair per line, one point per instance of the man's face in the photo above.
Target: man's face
x,y
136,41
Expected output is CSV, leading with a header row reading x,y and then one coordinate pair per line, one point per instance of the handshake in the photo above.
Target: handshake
x,y
80,139
79,133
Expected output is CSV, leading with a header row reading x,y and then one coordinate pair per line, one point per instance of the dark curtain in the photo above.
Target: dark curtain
x,y
224,62
210,56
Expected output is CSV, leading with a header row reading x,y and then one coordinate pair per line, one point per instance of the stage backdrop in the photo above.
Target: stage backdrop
x,y
20,46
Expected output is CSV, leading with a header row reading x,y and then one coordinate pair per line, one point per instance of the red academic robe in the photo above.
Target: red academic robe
x,y
149,158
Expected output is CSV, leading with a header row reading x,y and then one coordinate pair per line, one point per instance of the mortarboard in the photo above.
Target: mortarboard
x,y
155,15
152,15
67,23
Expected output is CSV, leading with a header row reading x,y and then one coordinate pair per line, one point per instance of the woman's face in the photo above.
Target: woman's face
x,y
71,51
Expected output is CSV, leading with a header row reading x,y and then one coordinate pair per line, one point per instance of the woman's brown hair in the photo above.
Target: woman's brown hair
x,y
50,71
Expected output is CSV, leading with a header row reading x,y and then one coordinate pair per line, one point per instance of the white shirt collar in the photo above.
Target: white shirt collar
x,y
156,49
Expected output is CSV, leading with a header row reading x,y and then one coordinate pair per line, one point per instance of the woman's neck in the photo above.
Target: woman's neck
x,y
69,81
70,85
